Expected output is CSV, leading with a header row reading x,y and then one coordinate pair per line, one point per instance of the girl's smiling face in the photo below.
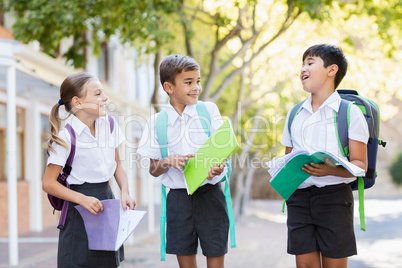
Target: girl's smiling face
x,y
94,100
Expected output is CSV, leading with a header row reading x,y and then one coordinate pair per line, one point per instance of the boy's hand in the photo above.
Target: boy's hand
x,y
320,170
215,171
178,161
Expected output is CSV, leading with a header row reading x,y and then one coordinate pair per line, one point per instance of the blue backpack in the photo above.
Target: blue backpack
x,y
371,113
161,132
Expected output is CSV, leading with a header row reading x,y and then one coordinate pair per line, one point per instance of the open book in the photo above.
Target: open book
x,y
215,150
109,229
287,174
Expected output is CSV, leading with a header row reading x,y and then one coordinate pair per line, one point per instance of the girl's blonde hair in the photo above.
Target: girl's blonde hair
x,y
72,86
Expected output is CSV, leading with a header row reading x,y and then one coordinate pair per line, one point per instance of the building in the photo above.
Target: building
x,y
37,79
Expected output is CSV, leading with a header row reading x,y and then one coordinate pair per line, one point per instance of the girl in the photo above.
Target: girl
x,y
96,160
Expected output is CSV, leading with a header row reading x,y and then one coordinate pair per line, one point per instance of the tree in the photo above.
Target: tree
x,y
141,24
242,32
235,42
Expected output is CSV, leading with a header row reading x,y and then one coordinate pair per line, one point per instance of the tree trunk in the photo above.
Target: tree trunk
x,y
155,95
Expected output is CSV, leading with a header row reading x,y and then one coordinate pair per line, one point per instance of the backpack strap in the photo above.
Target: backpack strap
x,y
204,117
342,135
161,132
66,172
205,120
68,167
111,122
342,129
295,111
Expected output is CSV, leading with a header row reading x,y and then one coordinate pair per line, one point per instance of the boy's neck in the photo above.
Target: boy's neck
x,y
179,108
318,98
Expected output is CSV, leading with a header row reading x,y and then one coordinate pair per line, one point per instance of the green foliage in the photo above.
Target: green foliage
x,y
134,21
396,169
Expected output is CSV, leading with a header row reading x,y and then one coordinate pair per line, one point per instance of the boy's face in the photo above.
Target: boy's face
x,y
314,76
186,89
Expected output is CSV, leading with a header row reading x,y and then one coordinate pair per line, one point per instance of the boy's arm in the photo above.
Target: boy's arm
x,y
358,157
288,150
158,167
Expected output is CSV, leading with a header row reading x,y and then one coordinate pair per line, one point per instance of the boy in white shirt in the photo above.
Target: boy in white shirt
x,y
320,211
203,215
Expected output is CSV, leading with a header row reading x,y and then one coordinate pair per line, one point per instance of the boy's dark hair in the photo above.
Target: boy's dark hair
x,y
330,55
173,65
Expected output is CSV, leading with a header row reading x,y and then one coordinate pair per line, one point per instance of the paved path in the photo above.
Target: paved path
x,y
261,240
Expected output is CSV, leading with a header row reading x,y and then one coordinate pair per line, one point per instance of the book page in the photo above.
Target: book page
x,y
353,169
277,163
129,220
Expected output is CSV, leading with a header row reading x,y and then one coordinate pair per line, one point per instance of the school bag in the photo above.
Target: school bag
x,y
58,203
161,132
371,113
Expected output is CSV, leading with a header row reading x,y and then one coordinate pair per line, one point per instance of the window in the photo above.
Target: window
x,y
20,118
44,137
104,62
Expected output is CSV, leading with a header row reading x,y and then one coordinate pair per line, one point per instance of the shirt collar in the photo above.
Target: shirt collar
x,y
190,111
333,102
79,126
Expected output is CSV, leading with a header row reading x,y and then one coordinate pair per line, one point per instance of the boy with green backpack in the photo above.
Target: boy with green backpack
x,y
320,211
170,139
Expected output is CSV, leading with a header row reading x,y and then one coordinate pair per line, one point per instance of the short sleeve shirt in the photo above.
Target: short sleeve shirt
x,y
185,135
94,159
316,132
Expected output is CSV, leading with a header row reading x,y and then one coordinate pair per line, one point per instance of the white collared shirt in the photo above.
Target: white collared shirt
x,y
94,159
185,135
316,132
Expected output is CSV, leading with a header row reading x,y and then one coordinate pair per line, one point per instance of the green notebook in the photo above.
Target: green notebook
x,y
287,174
216,149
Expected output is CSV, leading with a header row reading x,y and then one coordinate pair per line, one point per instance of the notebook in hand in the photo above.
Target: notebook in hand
x,y
109,229
287,174
215,150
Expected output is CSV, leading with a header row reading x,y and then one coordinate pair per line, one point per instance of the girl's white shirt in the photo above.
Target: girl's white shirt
x,y
94,159
315,131
185,135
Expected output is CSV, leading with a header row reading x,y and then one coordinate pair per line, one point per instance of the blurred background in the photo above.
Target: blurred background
x,y
250,56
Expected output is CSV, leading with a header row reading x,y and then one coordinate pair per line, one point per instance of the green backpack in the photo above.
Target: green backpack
x,y
161,132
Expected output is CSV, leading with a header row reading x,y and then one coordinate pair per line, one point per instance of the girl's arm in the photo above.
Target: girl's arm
x,y
121,179
51,186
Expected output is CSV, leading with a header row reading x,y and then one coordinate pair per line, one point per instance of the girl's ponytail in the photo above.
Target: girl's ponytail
x,y
55,122
73,85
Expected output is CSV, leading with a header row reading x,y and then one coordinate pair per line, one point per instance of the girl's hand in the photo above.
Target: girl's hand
x,y
215,171
178,161
127,201
91,204
320,170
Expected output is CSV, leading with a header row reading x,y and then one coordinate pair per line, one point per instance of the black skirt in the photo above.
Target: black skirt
x,y
73,242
